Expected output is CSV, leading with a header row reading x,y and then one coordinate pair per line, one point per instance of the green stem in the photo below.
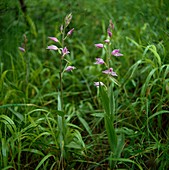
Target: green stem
x,y
61,71
61,84
108,61
27,69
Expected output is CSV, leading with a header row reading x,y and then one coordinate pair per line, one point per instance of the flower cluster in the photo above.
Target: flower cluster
x,y
64,50
115,52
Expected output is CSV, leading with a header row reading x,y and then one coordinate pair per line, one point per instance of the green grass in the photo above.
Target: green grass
x,y
133,117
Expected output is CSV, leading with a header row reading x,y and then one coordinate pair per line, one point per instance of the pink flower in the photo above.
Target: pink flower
x,y
53,39
21,49
109,32
70,32
70,68
99,45
110,72
116,53
97,84
52,47
107,41
65,51
99,61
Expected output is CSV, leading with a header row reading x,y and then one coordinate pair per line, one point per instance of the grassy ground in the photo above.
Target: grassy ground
x,y
36,134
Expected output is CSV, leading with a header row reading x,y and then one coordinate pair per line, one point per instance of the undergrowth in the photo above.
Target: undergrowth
x,y
32,130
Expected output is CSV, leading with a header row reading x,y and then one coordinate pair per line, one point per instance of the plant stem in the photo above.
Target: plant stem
x,y
61,84
108,61
27,69
61,71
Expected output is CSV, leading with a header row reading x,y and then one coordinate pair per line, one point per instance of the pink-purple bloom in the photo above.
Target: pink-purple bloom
x,y
99,45
99,83
109,32
52,47
107,41
70,32
116,53
69,68
99,61
53,39
110,72
65,51
21,49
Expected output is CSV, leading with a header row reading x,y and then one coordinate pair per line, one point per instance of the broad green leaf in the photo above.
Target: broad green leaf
x,y
59,102
4,151
120,145
112,137
104,100
112,102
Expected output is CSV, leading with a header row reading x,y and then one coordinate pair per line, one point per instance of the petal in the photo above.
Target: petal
x,y
52,47
70,32
113,73
70,68
107,41
99,61
99,45
65,51
106,72
21,49
109,32
53,39
97,84
115,51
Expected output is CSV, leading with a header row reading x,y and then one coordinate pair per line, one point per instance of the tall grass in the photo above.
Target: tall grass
x,y
31,126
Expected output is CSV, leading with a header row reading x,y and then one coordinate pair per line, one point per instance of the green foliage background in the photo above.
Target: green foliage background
x,y
29,126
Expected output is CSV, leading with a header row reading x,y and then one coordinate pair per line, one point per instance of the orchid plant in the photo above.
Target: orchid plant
x,y
62,50
107,97
107,47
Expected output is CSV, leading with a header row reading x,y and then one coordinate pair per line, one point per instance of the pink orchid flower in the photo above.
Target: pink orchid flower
x,y
110,72
116,53
70,68
99,61
65,51
53,39
70,32
21,49
99,45
109,32
52,47
107,41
